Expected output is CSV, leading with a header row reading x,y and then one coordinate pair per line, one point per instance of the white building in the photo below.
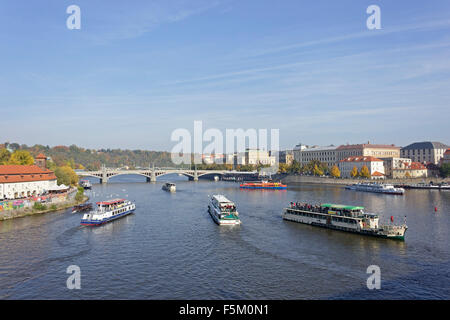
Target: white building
x,y
375,166
446,157
304,154
424,152
257,156
18,181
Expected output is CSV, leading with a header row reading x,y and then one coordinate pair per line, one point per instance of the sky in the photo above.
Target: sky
x,y
138,70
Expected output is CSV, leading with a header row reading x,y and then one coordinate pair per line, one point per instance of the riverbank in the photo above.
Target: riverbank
x,y
52,207
298,179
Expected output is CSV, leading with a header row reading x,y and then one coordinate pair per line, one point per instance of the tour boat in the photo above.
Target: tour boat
x,y
169,187
82,207
344,218
376,187
86,184
263,185
107,211
223,211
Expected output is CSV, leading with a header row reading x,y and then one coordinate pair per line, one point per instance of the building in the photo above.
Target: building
x,y
213,158
257,156
391,164
375,166
18,181
367,150
286,157
410,170
425,152
446,157
305,154
297,151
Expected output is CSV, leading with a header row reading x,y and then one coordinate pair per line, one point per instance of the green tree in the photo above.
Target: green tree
x,y
354,172
365,173
21,157
5,155
80,194
445,170
66,175
335,172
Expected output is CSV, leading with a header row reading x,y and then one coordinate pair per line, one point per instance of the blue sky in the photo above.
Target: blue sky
x,y
138,70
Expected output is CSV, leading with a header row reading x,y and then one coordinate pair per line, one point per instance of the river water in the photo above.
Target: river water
x,y
171,249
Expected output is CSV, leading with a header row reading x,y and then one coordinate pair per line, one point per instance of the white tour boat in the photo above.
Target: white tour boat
x,y
169,187
376,187
107,211
344,218
223,211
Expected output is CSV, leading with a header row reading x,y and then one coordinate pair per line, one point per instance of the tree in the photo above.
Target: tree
x,y
66,175
365,173
445,170
21,157
5,155
354,172
335,172
317,171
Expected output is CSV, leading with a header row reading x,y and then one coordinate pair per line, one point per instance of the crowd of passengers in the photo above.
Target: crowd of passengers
x,y
309,207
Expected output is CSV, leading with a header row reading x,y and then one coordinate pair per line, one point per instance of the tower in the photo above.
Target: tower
x,y
41,161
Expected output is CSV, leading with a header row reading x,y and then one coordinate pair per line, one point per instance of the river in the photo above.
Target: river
x,y
171,249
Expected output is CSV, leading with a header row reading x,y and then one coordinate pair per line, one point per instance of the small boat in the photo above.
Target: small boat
x,y
86,184
376,187
263,185
82,207
107,211
343,218
171,187
223,211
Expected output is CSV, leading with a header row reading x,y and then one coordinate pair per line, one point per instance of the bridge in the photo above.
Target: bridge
x,y
151,174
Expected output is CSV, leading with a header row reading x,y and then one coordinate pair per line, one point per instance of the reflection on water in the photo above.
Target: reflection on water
x,y
170,248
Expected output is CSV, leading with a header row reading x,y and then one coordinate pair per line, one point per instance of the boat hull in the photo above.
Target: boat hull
x,y
323,224
95,222
268,188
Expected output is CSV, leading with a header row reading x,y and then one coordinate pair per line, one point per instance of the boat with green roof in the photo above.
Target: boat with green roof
x,y
344,218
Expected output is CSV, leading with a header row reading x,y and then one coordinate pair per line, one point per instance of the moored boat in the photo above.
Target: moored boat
x,y
86,184
223,211
263,185
82,207
376,187
107,211
169,187
344,218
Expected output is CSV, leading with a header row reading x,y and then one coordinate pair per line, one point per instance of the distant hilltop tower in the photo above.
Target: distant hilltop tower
x,y
41,161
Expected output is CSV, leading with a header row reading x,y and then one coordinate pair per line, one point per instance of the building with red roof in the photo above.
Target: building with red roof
x,y
375,166
17,181
410,170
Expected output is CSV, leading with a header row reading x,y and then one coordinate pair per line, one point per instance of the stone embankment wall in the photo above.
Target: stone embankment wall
x,y
18,208
298,179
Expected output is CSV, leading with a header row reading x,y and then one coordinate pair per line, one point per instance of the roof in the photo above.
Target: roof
x,y
447,152
41,156
341,206
425,145
377,174
221,198
18,173
113,201
360,159
367,145
320,148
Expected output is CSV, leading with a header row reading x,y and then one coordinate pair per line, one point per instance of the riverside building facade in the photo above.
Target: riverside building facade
x,y
17,181
425,152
